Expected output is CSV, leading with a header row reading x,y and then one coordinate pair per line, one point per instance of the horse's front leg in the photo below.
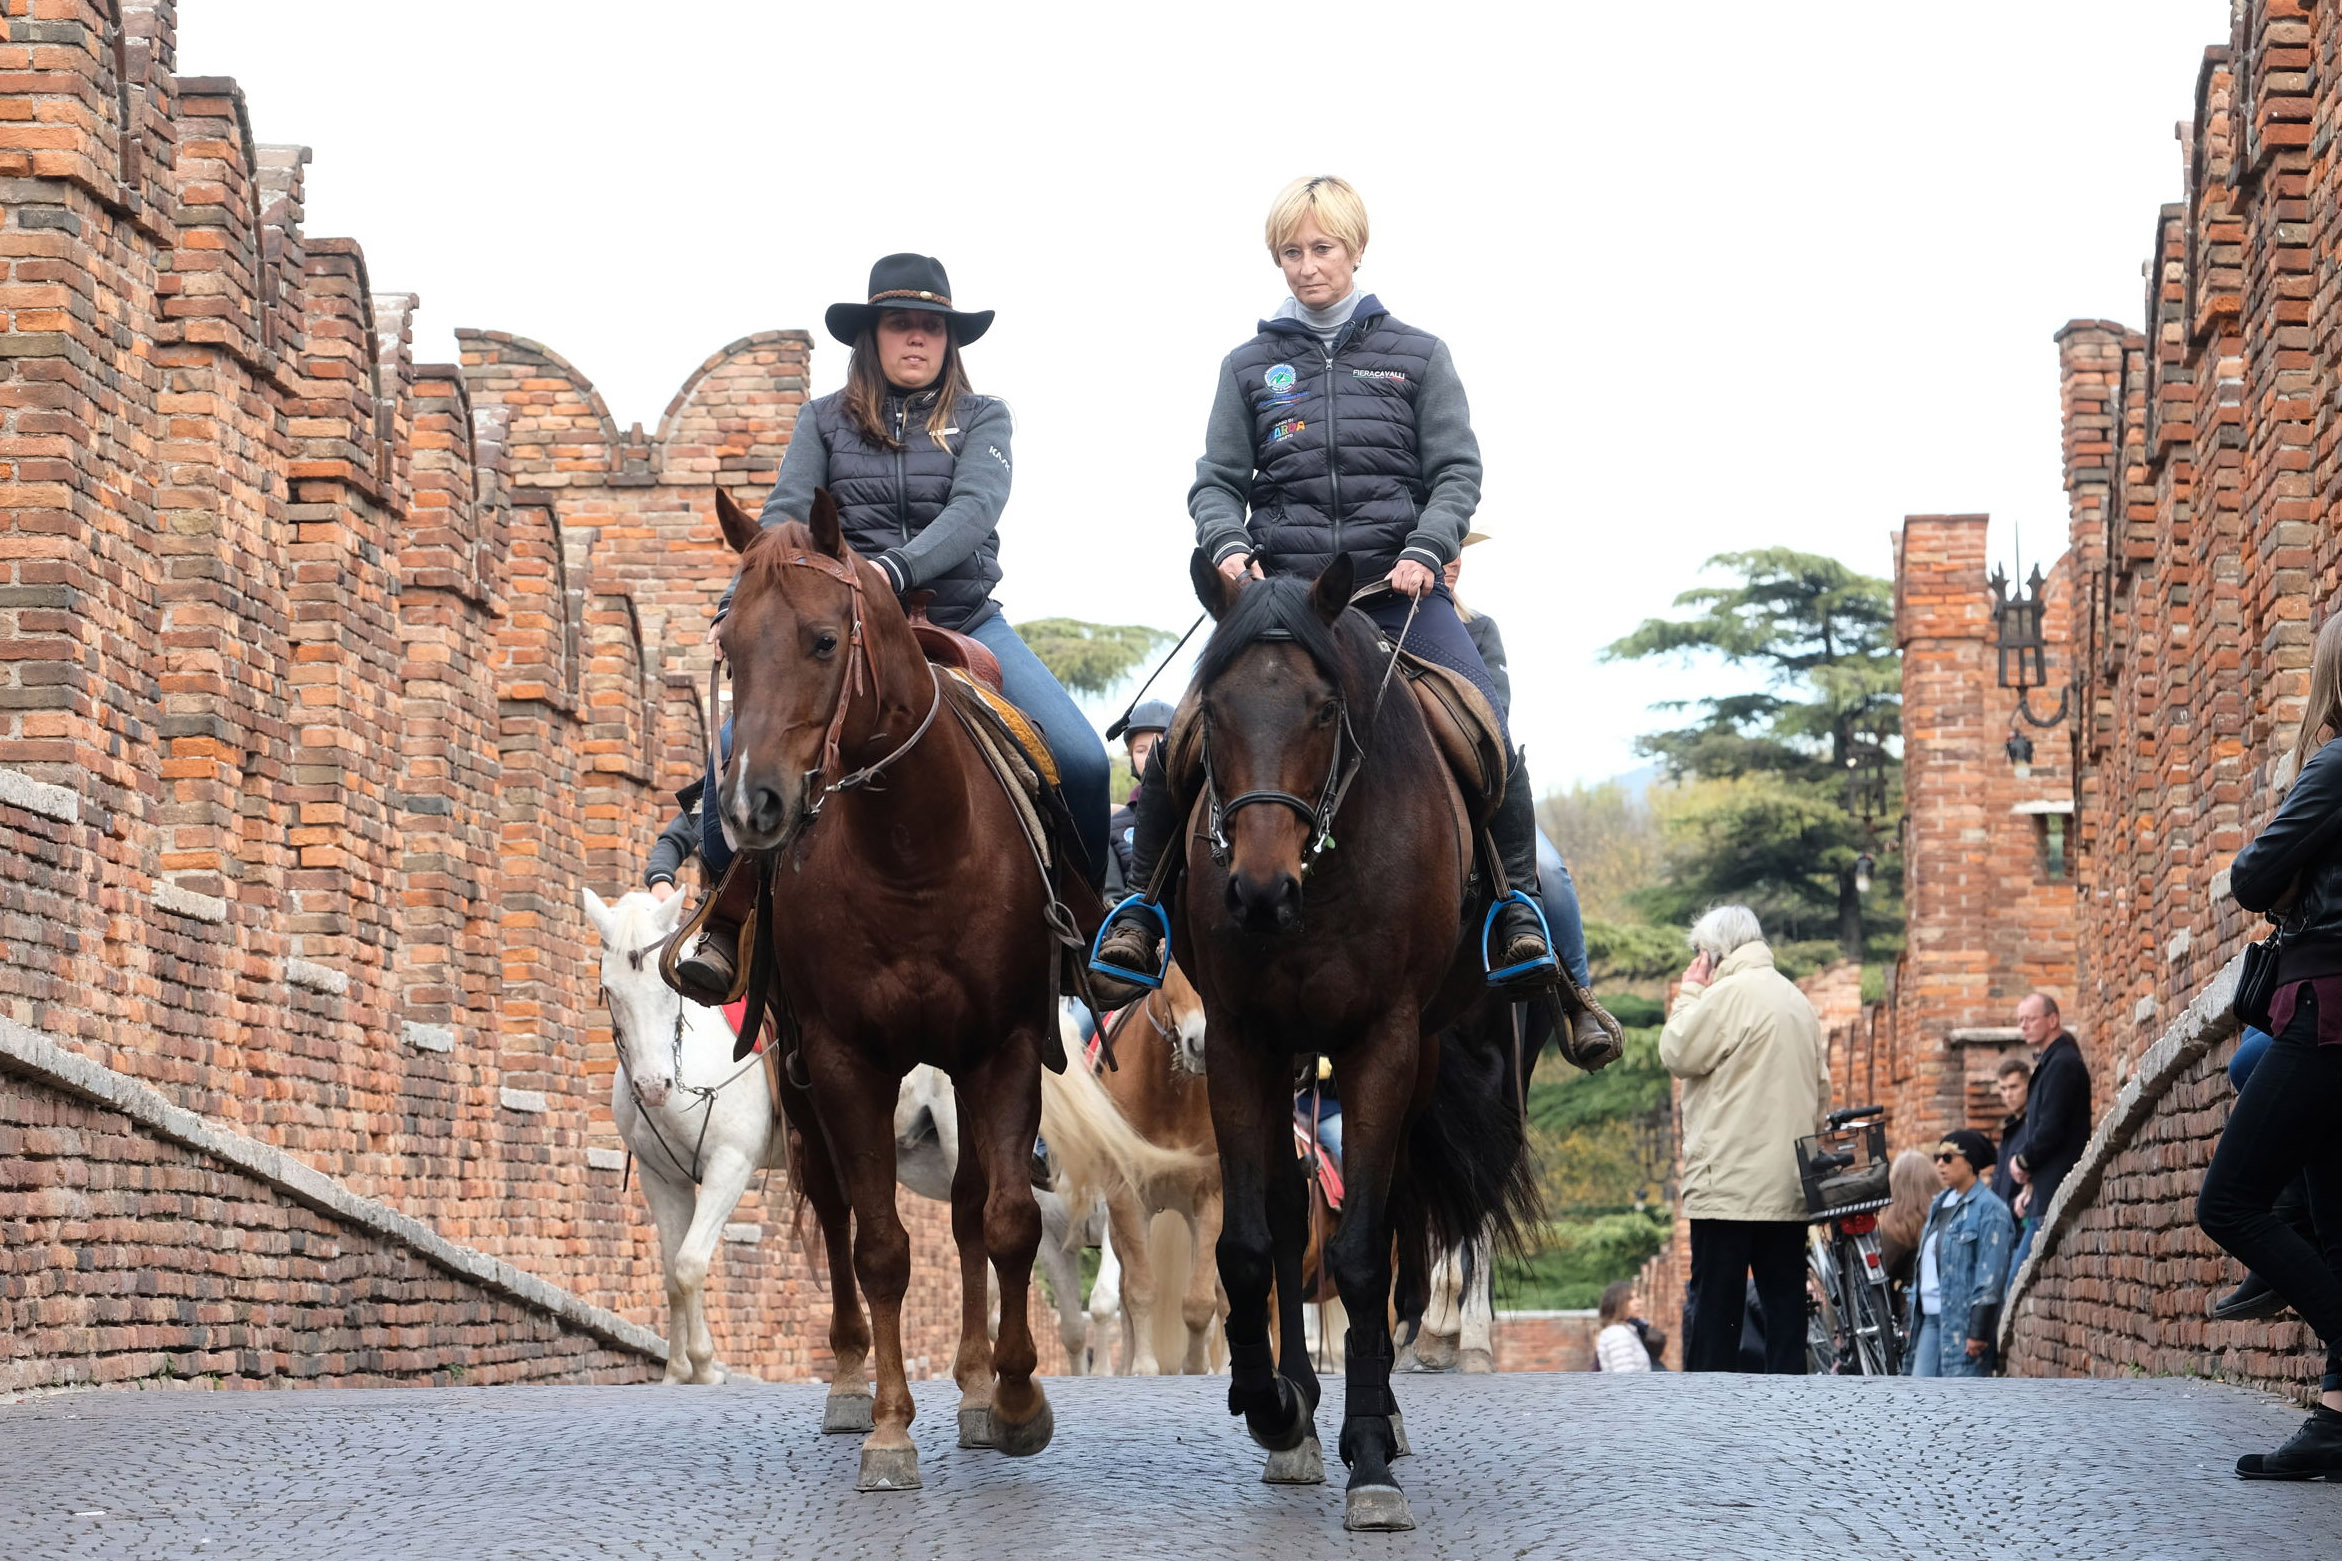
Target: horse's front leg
x,y
854,1100
1062,1266
971,1366
1377,1078
847,1408
724,1177
1200,1307
1476,1348
1128,1216
670,1198
1000,1114
1111,1358
1259,1246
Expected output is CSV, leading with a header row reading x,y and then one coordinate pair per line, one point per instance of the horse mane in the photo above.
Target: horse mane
x,y
770,553
1281,609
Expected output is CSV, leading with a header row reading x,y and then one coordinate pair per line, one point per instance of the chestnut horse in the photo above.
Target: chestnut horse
x,y
905,921
1364,954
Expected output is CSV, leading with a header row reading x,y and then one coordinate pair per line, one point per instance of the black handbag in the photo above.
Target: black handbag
x,y
2256,981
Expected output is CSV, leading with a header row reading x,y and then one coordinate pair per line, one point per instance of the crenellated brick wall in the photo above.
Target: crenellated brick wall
x,y
331,678
2202,460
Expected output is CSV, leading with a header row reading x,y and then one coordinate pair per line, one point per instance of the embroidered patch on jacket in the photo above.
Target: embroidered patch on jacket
x,y
1280,378
1287,429
1378,374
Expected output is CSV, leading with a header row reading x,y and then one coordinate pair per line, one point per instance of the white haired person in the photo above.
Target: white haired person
x,y
1338,430
1748,1047
2283,1125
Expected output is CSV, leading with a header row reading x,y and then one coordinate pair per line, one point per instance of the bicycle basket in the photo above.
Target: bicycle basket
x,y
1844,1169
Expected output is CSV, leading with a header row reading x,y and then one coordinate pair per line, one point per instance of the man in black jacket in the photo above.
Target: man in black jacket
x,y
2057,1111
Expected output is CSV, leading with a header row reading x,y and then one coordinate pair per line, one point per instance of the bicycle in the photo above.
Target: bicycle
x,y
1851,1326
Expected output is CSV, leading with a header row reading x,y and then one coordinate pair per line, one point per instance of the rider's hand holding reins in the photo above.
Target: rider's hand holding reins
x,y
1237,565
1412,580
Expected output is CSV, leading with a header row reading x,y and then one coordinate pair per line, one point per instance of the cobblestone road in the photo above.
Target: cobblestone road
x,y
1668,1467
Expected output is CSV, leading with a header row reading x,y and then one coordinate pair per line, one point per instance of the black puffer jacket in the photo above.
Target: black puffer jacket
x,y
1363,446
2301,851
927,513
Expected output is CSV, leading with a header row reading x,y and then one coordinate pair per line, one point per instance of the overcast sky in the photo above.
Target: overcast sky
x,y
1716,275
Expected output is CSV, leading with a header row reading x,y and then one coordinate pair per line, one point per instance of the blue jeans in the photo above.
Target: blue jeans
x,y
1082,770
1927,1353
2250,1049
1561,911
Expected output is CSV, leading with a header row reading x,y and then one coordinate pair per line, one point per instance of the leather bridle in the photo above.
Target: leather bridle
x,y
861,666
1318,815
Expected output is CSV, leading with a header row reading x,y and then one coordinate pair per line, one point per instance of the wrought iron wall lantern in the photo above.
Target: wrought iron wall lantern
x,y
2024,661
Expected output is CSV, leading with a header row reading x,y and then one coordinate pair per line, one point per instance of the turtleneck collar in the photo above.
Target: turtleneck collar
x,y
1325,324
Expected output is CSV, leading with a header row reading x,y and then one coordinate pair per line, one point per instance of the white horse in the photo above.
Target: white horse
x,y
701,1126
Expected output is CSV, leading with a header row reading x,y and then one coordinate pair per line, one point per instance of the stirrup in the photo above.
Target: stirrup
x,y
1152,982
1520,974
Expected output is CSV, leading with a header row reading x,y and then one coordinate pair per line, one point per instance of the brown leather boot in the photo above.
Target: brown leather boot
x,y
711,971
1593,1033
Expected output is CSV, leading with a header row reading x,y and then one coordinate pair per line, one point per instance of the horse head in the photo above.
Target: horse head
x,y
811,629
1280,692
645,1013
1186,1032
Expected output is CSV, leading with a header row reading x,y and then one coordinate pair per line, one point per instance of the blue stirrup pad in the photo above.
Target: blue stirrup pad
x,y
1545,961
1151,982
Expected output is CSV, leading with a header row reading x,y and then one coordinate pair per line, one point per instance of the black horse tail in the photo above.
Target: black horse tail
x,y
1468,1168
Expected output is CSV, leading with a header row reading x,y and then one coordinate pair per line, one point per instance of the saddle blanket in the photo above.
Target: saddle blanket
x,y
1015,724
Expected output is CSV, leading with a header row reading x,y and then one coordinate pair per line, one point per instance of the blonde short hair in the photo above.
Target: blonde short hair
x,y
1330,200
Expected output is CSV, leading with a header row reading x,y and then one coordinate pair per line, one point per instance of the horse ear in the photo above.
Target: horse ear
x,y
598,912
828,536
1215,590
668,915
1331,593
739,529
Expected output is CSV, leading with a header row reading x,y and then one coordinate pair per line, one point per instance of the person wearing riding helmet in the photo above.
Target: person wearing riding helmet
x,y
1144,728
919,466
1337,429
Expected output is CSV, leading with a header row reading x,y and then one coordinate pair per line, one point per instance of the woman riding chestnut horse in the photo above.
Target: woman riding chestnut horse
x,y
919,466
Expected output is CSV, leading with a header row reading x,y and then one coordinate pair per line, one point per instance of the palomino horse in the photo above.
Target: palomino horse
x,y
701,1125
1362,954
903,919
1159,1088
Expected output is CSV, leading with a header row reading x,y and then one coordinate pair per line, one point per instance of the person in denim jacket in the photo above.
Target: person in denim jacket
x,y
1963,1263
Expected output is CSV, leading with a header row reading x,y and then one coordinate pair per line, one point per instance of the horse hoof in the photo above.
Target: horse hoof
x,y
1475,1362
1399,1447
1022,1441
975,1427
842,1413
1376,1509
888,1469
1301,1465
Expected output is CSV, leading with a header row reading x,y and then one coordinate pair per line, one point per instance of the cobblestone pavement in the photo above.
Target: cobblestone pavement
x,y
1667,1466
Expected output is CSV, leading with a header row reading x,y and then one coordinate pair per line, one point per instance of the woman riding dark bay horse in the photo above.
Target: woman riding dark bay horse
x,y
1362,954
911,924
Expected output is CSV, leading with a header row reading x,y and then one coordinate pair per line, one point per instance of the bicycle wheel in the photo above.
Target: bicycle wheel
x,y
1823,1317
1874,1329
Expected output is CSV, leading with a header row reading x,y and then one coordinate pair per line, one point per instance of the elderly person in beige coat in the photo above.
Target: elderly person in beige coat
x,y
1748,1047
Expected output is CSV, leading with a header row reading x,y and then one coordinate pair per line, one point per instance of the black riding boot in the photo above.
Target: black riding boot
x,y
1518,938
1128,960
710,973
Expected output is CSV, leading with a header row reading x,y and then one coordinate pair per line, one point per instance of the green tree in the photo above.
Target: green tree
x,y
1090,658
1800,772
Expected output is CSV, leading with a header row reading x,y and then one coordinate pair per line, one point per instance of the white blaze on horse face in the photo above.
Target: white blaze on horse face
x,y
643,1009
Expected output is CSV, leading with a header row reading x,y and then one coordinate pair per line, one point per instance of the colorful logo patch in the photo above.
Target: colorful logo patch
x,y
1287,429
1280,379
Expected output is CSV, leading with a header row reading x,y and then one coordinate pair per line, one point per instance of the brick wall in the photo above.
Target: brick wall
x,y
1545,1341
2201,462
352,671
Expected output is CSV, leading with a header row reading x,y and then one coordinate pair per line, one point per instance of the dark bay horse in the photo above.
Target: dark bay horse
x,y
906,924
1362,952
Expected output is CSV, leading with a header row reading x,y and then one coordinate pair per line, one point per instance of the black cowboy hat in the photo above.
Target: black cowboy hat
x,y
907,282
